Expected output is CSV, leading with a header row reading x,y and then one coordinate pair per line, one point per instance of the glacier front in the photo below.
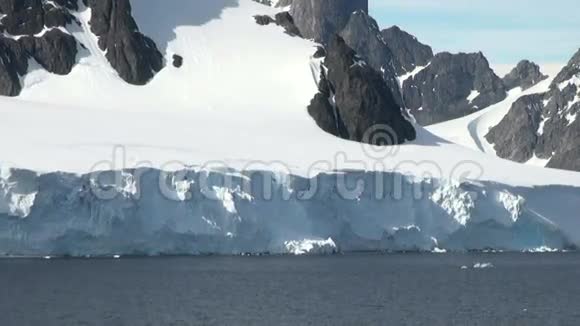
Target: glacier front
x,y
197,211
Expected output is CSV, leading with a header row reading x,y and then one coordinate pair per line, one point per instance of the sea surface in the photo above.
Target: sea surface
x,y
353,289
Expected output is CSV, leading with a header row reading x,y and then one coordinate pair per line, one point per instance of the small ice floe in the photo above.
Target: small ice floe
x,y
437,250
541,249
482,265
116,256
464,267
310,246
47,257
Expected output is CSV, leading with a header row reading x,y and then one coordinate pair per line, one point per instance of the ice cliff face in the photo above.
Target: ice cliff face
x,y
227,212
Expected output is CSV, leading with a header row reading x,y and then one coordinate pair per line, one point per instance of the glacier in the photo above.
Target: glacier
x,y
247,108
197,211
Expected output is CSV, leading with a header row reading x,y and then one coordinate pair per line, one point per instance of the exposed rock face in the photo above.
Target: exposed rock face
x,y
525,75
284,3
516,135
54,50
362,34
321,19
264,2
354,99
452,86
285,20
13,63
569,72
282,19
554,131
275,3
264,20
409,53
24,17
133,55
177,61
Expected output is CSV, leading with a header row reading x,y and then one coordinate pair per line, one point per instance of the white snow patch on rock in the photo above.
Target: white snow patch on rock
x,y
411,74
473,95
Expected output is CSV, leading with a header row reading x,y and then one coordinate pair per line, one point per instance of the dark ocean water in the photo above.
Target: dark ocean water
x,y
361,289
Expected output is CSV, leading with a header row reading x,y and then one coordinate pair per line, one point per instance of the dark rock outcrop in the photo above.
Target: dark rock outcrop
x,y
177,61
525,75
282,19
264,20
284,3
516,135
271,3
58,15
572,69
407,50
554,132
285,20
354,100
362,34
133,55
321,19
323,110
23,17
264,2
13,63
54,50
567,160
452,86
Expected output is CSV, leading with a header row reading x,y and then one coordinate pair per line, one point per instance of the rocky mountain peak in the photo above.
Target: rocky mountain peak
x,y
452,86
525,75
571,70
353,99
408,51
321,19
362,34
553,132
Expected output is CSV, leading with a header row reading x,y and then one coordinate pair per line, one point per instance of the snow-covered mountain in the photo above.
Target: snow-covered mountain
x,y
534,125
213,129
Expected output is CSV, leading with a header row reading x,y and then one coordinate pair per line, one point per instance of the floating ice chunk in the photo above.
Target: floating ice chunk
x,y
483,265
541,249
308,246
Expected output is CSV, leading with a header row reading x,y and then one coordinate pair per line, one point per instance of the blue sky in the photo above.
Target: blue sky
x,y
545,31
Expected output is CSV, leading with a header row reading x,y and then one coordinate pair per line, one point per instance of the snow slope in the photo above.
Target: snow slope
x,y
235,114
